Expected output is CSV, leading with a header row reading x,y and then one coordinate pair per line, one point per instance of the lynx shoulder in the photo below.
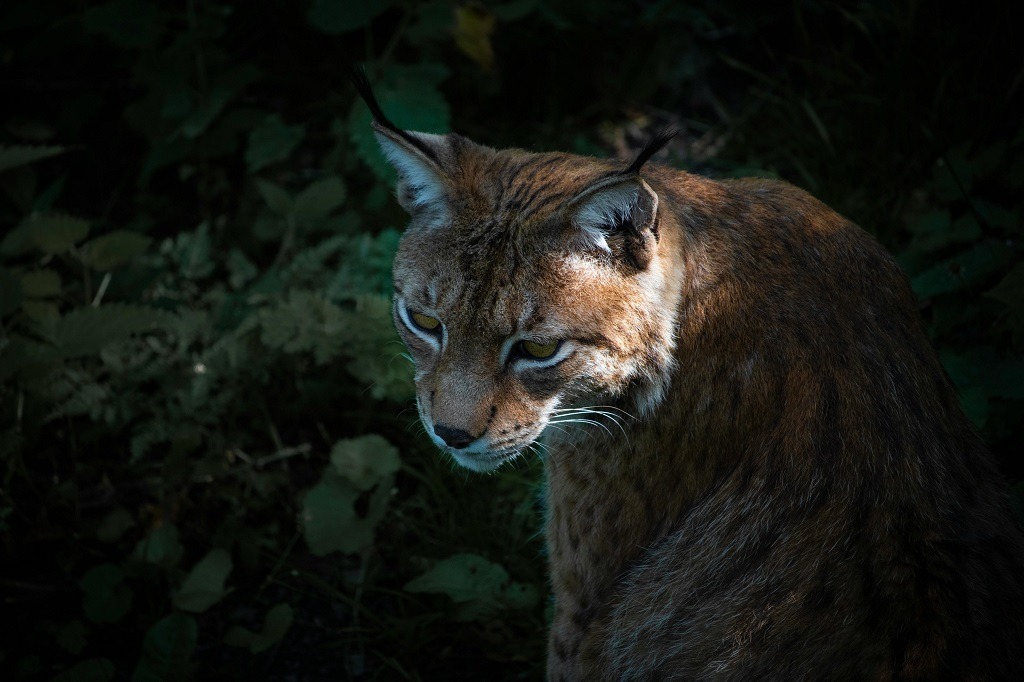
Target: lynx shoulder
x,y
756,466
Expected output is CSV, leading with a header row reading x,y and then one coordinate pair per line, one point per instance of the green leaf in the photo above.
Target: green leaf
x,y
365,460
271,142
478,587
340,16
86,331
12,157
72,637
965,270
11,294
320,198
204,585
41,283
92,670
106,598
330,522
126,23
167,650
114,525
1010,289
56,232
160,547
275,625
113,249
276,198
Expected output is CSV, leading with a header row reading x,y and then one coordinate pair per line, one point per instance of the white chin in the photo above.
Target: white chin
x,y
481,461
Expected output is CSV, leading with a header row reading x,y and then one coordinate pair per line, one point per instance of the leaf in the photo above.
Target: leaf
x,y
19,155
1010,289
204,585
320,198
271,142
365,460
11,294
114,525
473,28
86,331
56,232
330,522
167,650
275,625
479,587
92,670
41,283
106,598
126,23
341,16
276,198
113,249
160,547
967,269
72,637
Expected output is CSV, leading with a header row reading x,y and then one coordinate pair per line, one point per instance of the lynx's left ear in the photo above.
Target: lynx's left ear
x,y
418,158
619,216
620,213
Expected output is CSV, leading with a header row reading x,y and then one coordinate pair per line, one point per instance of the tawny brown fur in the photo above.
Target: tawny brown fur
x,y
799,495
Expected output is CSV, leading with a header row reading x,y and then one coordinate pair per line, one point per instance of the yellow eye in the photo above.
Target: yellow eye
x,y
425,322
540,350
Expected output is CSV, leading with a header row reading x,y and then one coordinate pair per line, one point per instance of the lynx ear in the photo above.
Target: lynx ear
x,y
421,180
416,156
619,216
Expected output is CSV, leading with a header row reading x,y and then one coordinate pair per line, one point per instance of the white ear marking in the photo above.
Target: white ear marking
x,y
421,186
601,209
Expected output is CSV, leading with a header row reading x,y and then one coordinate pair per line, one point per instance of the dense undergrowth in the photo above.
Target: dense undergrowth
x,y
209,468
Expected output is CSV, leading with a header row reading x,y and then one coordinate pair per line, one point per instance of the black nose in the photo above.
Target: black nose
x,y
456,438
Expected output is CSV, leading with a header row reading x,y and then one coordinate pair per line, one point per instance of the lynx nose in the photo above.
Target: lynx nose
x,y
456,438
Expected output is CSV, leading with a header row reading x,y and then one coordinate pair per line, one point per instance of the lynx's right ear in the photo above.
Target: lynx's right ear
x,y
418,158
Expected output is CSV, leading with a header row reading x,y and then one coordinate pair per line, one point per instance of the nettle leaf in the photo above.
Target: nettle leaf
x,y
167,650
305,322
320,198
86,331
20,155
410,97
478,587
113,249
341,16
277,199
55,232
377,353
241,270
106,598
204,585
275,625
92,670
41,283
160,547
365,460
272,141
366,268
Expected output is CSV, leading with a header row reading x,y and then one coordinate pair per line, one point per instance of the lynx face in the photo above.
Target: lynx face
x,y
526,286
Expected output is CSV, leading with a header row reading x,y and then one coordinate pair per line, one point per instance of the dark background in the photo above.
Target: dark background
x,y
209,468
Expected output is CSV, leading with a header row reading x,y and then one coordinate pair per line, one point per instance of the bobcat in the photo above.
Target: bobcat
x,y
756,466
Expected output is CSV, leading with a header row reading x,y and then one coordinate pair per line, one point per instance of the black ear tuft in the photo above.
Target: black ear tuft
x,y
362,84
650,149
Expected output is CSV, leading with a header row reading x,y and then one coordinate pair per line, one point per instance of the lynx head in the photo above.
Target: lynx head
x,y
525,283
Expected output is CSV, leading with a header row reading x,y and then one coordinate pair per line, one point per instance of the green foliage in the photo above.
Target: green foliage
x,y
207,427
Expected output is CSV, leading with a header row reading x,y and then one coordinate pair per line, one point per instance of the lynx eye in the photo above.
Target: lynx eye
x,y
539,350
425,322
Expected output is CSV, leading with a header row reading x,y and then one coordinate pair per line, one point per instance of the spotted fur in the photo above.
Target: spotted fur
x,y
796,493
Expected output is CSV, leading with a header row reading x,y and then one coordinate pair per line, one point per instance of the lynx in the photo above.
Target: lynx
x,y
756,466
